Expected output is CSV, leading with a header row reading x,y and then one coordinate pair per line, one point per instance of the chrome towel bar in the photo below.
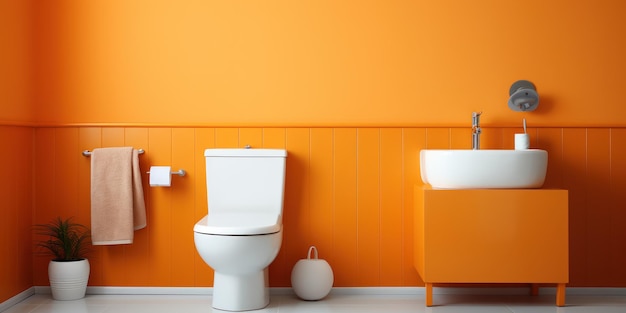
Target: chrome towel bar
x,y
88,153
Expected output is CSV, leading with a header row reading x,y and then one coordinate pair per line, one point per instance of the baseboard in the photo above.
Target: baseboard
x,y
586,291
95,290
374,291
17,299
421,291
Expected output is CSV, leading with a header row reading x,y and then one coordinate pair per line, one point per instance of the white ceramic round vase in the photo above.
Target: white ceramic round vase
x,y
68,279
312,278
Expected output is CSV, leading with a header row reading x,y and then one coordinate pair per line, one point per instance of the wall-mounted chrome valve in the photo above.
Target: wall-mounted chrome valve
x,y
523,96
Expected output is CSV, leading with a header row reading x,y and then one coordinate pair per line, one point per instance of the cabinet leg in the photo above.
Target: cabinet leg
x,y
429,294
534,289
560,295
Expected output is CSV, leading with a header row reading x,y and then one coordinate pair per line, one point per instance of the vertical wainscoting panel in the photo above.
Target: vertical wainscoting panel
x,y
460,138
391,200
413,140
321,194
252,137
574,179
490,138
368,206
20,164
345,205
44,197
16,222
227,138
617,257
439,138
45,175
598,178
89,138
204,139
551,140
274,138
297,215
66,172
159,152
508,138
8,226
183,215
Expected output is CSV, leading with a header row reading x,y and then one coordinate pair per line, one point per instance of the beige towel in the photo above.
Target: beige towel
x,y
117,203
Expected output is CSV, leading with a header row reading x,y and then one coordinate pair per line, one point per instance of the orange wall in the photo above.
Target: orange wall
x,y
349,192
16,82
15,148
328,63
412,64
16,208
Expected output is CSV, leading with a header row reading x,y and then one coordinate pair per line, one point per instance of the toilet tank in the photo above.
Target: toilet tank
x,y
245,179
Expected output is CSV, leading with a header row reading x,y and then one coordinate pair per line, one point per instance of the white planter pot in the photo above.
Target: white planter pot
x,y
68,280
312,278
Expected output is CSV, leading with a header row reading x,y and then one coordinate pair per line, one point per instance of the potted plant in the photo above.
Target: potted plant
x,y
68,271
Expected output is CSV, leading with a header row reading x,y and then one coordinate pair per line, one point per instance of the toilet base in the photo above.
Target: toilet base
x,y
241,292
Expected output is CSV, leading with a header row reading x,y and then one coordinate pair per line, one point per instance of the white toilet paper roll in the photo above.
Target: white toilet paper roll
x,y
522,141
160,176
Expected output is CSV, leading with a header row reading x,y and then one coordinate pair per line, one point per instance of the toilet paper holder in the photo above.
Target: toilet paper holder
x,y
180,172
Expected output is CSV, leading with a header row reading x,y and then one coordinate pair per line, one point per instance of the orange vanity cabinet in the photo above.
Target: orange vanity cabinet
x,y
491,236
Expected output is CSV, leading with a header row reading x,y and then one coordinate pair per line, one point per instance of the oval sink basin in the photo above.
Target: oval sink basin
x,y
478,169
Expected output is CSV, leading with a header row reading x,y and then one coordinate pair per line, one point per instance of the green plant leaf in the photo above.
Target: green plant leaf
x,y
66,240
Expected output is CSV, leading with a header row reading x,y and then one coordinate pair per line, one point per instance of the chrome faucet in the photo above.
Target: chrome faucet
x,y
476,130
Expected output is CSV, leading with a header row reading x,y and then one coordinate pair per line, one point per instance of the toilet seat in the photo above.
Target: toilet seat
x,y
244,223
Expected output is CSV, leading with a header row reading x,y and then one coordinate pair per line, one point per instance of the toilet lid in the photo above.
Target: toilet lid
x,y
238,223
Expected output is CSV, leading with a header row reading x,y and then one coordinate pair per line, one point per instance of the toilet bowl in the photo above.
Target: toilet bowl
x,y
240,264
242,232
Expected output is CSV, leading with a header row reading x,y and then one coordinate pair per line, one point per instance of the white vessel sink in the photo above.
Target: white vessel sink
x,y
478,169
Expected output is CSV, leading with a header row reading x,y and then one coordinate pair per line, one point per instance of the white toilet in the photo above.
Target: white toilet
x,y
242,233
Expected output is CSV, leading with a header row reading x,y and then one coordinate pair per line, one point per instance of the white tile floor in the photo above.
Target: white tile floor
x,y
41,303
